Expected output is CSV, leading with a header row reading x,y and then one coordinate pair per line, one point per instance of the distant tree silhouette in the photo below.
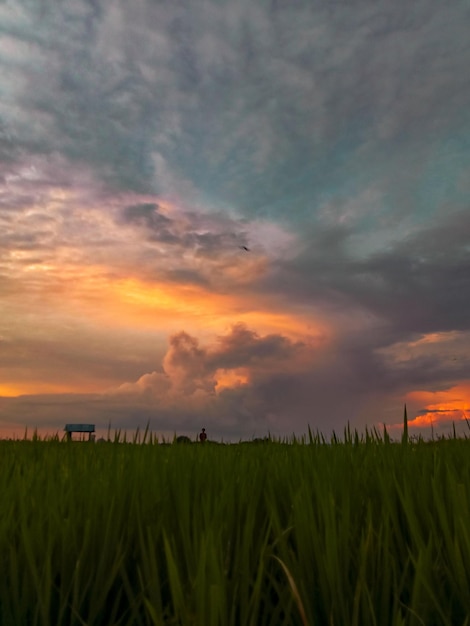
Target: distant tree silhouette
x,y
182,439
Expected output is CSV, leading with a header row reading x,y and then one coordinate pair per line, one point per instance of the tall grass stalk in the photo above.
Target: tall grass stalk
x,y
404,439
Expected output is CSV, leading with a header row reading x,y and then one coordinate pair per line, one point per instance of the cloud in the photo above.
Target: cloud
x,y
225,384
68,234
149,216
438,412
243,383
217,103
419,284
57,222
192,369
213,237
142,143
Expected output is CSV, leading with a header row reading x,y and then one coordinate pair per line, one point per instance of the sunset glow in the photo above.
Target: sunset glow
x,y
229,378
441,407
204,218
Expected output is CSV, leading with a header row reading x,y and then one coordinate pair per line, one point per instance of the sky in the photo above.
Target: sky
x,y
144,145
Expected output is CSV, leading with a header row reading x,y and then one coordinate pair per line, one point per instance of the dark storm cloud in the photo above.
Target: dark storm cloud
x,y
418,285
242,347
425,281
191,366
287,386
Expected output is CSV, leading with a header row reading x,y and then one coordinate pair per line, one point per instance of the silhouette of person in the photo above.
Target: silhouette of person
x,y
202,435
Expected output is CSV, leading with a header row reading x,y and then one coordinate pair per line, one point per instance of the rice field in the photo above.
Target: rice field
x,y
352,532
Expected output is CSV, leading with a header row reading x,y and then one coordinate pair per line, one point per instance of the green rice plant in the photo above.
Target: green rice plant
x,y
287,532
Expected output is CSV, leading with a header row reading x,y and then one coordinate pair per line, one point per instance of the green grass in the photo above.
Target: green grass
x,y
359,532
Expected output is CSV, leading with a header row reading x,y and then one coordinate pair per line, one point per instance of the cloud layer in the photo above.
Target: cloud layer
x,y
144,146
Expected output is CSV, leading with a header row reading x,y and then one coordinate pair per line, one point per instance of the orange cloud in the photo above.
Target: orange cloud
x,y
89,265
133,302
230,378
120,304
441,407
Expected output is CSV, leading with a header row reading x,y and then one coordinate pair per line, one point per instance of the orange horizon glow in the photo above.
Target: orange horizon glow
x,y
36,388
451,405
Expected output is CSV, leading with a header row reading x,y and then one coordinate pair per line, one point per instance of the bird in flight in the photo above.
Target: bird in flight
x,y
244,248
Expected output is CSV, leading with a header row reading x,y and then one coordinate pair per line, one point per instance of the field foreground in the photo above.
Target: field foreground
x,y
240,535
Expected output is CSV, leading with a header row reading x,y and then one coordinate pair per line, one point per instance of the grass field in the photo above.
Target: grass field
x,y
356,532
